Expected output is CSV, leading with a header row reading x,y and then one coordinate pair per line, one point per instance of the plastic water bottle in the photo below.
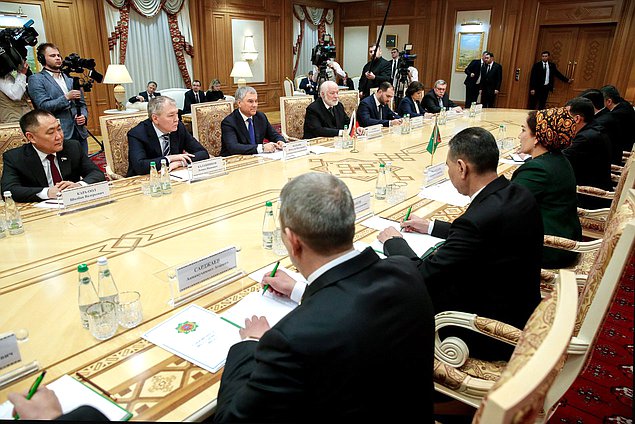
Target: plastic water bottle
x,y
3,226
106,287
155,182
502,132
346,139
405,126
268,227
12,215
166,184
278,246
380,187
87,295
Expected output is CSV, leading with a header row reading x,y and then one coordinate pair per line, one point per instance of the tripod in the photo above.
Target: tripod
x,y
401,87
322,76
78,112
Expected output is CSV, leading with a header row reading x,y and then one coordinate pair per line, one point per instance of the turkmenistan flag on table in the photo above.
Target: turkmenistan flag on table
x,y
435,139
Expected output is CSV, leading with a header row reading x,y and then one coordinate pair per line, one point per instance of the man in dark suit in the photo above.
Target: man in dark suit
x,y
373,110
597,99
473,80
308,85
438,97
145,96
326,116
500,234
589,153
491,79
193,96
244,130
161,136
541,81
48,164
619,123
44,405
53,91
375,72
359,316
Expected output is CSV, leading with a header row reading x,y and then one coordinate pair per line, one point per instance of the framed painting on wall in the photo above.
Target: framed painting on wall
x,y
469,47
391,41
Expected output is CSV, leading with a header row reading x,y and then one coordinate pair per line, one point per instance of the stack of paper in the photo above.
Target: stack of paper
x,y
418,242
446,193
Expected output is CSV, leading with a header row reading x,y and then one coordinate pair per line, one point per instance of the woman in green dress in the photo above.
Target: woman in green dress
x,y
549,176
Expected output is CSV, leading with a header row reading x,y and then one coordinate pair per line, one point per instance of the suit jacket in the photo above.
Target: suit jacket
x,y
381,69
590,157
83,413
367,113
407,105
318,121
191,100
431,102
46,94
489,264
320,362
491,80
235,137
144,147
349,83
212,96
619,124
24,175
308,87
537,76
473,68
143,94
552,181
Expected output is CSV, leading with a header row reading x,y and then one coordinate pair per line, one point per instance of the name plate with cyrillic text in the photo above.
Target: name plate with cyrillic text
x,y
416,122
208,168
205,268
434,174
361,203
9,350
295,149
76,196
374,131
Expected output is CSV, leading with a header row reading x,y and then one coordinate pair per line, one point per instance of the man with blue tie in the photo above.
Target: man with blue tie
x,y
374,109
244,130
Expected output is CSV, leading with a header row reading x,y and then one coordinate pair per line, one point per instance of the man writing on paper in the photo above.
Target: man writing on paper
x,y
48,164
359,316
489,264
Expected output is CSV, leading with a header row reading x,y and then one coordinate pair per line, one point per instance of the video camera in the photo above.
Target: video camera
x,y
74,63
323,51
13,43
406,59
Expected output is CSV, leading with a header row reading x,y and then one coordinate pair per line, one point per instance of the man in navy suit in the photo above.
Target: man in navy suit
x,y
541,81
491,80
145,96
193,96
53,91
473,80
308,85
161,136
619,123
438,97
47,164
244,130
326,116
373,110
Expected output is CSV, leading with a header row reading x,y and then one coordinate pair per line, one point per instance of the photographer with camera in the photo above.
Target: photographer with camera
x,y
13,98
52,90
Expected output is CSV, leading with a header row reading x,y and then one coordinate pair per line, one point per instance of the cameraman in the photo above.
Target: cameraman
x,y
13,99
51,90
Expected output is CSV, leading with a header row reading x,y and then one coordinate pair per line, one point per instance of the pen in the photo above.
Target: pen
x,y
273,274
407,215
33,389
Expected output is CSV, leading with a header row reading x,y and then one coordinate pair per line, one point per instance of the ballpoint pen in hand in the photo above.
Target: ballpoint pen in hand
x,y
407,216
33,389
273,274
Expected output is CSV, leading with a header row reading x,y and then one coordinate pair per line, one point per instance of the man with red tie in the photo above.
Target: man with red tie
x,y
48,164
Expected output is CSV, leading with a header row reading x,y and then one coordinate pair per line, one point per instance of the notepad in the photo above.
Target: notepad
x,y
73,394
272,307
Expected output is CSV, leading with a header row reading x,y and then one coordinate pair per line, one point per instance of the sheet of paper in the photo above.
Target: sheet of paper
x,y
257,275
49,204
446,193
277,155
510,161
318,150
418,242
196,335
360,246
73,394
180,175
272,307
378,223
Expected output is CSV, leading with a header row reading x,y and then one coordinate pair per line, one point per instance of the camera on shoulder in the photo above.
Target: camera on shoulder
x,y
73,63
324,51
13,44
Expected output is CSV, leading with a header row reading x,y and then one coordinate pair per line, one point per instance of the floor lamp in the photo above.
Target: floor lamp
x,y
241,70
118,74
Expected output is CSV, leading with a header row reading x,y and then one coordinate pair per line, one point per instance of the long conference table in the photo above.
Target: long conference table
x,y
144,238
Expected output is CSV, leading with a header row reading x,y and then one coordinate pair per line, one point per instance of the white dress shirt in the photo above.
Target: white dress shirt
x,y
43,194
14,88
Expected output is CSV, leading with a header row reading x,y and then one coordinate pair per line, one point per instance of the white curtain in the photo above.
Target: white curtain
x,y
112,17
310,41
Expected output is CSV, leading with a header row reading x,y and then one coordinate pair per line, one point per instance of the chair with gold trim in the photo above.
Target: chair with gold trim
x,y
114,130
350,100
289,89
10,137
206,124
292,112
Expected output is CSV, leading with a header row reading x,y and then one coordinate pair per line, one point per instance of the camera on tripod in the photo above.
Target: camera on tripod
x,y
73,63
13,43
406,59
323,52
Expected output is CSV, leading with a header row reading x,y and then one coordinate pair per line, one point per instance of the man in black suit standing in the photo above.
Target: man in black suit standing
x,y
244,130
308,85
193,96
373,110
161,136
48,164
358,315
438,98
326,116
145,96
491,79
500,232
473,80
541,81
376,71
619,123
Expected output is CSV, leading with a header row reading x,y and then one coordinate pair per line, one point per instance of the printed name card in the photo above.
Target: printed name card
x,y
205,268
416,122
374,131
208,168
9,350
295,149
479,108
362,204
75,196
434,173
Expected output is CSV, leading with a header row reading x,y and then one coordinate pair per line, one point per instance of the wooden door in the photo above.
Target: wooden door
x,y
580,52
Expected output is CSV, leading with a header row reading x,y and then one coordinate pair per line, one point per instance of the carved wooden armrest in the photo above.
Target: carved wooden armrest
x,y
112,175
616,168
615,177
597,214
595,192
289,138
459,381
563,243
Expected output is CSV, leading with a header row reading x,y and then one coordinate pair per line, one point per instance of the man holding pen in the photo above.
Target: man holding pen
x,y
359,317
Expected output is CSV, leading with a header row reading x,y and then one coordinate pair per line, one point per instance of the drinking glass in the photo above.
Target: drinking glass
x,y
129,309
102,319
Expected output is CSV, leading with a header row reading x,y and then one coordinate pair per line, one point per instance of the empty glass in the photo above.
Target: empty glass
x,y
102,319
129,309
396,192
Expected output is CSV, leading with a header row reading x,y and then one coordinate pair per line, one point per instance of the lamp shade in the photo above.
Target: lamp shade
x,y
249,52
241,69
117,74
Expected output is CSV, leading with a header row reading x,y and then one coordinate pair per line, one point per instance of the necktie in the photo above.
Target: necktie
x,y
488,68
394,68
166,144
252,133
379,111
441,102
332,112
196,97
55,173
546,74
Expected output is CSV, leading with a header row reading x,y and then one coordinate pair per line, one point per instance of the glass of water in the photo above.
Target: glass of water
x,y
102,319
129,310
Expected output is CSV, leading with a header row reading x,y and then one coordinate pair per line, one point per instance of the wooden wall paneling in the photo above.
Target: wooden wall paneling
x,y
621,71
557,13
507,56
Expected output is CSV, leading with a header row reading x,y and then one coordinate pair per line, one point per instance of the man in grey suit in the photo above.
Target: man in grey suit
x,y
53,91
360,316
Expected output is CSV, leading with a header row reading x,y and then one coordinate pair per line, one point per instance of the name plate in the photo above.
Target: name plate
x,y
361,203
479,108
295,149
416,122
205,268
75,196
434,173
208,168
9,350
374,131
